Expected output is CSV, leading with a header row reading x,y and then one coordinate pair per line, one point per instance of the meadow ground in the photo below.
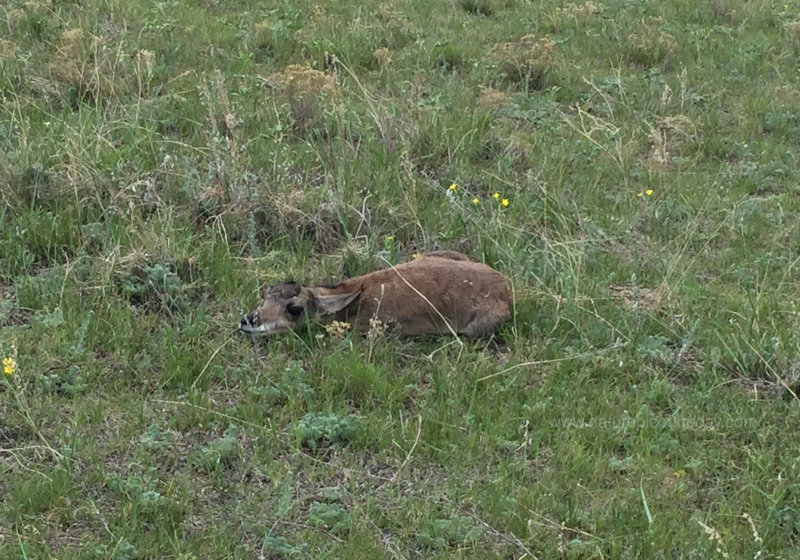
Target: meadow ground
x,y
159,161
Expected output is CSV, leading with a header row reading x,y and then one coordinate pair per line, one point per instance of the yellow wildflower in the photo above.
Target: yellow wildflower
x,y
475,200
649,192
453,186
496,195
9,366
415,256
505,202
640,195
390,238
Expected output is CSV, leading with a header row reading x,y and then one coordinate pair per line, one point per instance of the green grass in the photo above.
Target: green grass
x,y
159,161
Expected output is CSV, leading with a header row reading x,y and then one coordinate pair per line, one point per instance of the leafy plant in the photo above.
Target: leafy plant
x,y
332,517
220,452
326,430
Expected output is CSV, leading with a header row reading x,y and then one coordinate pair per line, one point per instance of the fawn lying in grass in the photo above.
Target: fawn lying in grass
x,y
438,293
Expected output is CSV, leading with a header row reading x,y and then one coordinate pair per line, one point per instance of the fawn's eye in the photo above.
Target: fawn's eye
x,y
294,309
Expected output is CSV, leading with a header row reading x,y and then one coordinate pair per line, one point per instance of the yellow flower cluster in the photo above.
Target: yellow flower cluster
x,y
648,192
9,366
504,202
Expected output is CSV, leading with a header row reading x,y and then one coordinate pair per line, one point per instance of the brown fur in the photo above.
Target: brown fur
x,y
438,293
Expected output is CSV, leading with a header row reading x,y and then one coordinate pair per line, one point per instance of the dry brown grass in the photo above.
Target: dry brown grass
x,y
490,98
90,66
383,56
577,12
7,49
649,44
793,29
307,91
643,299
526,61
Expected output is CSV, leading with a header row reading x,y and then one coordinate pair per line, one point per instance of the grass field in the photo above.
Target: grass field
x,y
159,161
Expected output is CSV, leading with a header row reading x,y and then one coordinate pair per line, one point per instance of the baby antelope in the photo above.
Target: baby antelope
x,y
438,293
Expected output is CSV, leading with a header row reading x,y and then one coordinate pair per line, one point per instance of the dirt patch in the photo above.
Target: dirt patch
x,y
637,298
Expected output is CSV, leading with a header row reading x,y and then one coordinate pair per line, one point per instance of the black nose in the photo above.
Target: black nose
x,y
249,320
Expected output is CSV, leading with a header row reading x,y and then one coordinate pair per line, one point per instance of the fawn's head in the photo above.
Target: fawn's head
x,y
287,305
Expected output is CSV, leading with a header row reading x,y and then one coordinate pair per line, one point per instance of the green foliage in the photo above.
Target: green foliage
x,y
154,439
332,517
478,7
69,382
438,534
221,452
282,548
153,285
37,494
124,551
324,430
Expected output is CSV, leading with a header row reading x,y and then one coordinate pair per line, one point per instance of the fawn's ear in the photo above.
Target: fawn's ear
x,y
281,290
326,303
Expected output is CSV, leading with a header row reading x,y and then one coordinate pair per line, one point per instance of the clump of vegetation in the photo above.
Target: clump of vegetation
x,y
792,28
70,59
575,14
439,534
280,547
332,517
90,68
220,452
156,284
397,30
526,62
491,98
308,92
326,430
69,382
383,56
448,57
123,550
649,44
478,7
8,49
